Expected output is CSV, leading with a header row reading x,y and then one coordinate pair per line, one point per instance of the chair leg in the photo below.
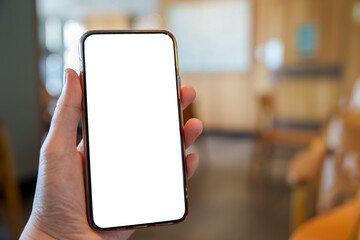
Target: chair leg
x,y
260,157
298,205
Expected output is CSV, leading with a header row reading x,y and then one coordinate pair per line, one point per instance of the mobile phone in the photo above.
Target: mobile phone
x,y
132,129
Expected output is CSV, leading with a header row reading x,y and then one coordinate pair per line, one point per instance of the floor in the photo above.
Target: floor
x,y
223,205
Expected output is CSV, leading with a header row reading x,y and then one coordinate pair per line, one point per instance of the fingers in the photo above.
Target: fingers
x,y
192,131
192,161
188,95
67,113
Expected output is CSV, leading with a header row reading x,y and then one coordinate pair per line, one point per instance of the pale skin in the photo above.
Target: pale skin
x,y
59,208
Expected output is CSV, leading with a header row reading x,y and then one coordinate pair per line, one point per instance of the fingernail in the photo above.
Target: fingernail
x,y
65,77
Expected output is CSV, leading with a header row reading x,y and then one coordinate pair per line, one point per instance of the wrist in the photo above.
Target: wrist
x,y
31,231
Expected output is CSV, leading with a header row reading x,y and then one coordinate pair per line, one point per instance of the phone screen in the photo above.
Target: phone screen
x,y
133,129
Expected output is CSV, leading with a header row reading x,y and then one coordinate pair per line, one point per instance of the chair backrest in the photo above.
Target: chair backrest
x,y
343,133
266,115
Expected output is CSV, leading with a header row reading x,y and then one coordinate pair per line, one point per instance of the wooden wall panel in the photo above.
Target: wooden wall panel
x,y
352,51
107,21
304,100
228,101
224,102
328,16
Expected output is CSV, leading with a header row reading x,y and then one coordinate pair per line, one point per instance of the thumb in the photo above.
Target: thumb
x,y
66,117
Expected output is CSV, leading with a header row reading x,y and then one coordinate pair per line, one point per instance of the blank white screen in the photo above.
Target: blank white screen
x,y
134,137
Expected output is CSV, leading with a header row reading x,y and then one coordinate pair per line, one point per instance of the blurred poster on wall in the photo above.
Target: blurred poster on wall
x,y
307,39
213,36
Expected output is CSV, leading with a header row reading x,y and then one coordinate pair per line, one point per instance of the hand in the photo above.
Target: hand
x,y
59,209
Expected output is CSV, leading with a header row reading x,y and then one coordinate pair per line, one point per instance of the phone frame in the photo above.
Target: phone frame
x,y
86,139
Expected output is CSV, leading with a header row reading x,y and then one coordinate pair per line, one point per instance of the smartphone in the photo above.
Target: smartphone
x,y
132,129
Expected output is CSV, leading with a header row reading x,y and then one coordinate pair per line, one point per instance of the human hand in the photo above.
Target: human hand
x,y
59,208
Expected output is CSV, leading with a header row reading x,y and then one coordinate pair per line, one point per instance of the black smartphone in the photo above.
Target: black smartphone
x,y
132,126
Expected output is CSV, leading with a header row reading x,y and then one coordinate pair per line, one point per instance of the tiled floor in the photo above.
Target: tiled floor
x,y
223,205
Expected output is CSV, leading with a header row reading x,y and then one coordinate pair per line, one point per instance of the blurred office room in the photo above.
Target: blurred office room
x,y
278,91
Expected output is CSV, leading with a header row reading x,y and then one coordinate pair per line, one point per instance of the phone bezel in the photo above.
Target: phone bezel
x,y
85,130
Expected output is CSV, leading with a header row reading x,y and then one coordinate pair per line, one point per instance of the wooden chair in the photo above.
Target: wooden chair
x,y
340,223
270,136
9,184
311,193
304,175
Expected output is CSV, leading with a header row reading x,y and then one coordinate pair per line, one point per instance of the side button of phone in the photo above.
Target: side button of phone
x,y
178,85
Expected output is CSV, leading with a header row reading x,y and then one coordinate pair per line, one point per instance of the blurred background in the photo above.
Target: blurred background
x,y
278,90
